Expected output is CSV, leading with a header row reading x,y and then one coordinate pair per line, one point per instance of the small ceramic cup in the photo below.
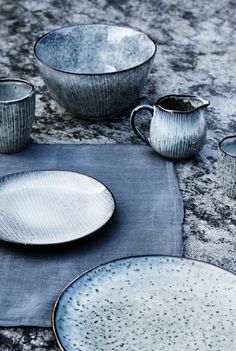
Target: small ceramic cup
x,y
227,164
17,112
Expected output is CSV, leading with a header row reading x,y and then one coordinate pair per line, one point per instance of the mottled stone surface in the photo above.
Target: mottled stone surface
x,y
196,54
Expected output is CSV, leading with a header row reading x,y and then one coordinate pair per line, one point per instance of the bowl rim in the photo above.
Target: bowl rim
x,y
89,25
220,145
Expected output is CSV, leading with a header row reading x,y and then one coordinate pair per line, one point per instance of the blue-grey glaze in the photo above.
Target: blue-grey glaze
x,y
95,71
17,112
148,303
227,165
178,125
228,145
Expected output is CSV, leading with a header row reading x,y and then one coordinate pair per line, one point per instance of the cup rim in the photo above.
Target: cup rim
x,y
221,148
101,73
205,103
4,102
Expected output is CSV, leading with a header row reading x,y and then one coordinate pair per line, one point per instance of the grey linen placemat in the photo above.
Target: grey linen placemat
x,y
148,220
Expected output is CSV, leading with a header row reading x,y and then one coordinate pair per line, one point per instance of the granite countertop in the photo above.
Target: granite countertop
x,y
196,54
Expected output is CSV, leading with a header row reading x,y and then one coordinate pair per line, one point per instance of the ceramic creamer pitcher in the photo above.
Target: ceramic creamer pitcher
x,y
178,125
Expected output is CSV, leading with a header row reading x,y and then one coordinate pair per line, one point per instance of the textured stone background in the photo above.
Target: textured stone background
x,y
196,54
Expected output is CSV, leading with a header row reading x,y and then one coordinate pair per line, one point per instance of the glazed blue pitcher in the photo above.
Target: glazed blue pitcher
x,y
178,125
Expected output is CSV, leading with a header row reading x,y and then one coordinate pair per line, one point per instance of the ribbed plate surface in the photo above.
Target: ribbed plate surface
x,y
147,304
50,207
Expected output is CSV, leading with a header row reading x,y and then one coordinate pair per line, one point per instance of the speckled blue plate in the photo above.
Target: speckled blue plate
x,y
148,303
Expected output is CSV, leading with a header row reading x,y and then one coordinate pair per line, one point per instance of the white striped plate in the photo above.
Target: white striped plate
x,y
52,207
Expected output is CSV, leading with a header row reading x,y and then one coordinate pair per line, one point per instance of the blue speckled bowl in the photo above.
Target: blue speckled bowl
x,y
95,70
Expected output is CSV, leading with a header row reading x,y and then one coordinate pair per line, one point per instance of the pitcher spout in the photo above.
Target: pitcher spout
x,y
181,103
204,103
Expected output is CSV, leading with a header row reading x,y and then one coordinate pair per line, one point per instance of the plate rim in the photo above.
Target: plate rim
x,y
56,304
17,174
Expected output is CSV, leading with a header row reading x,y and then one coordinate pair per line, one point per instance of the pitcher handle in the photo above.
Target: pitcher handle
x,y
132,120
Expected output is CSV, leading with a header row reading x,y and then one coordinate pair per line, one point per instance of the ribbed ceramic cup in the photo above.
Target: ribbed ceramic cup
x,y
178,125
227,164
17,112
97,70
